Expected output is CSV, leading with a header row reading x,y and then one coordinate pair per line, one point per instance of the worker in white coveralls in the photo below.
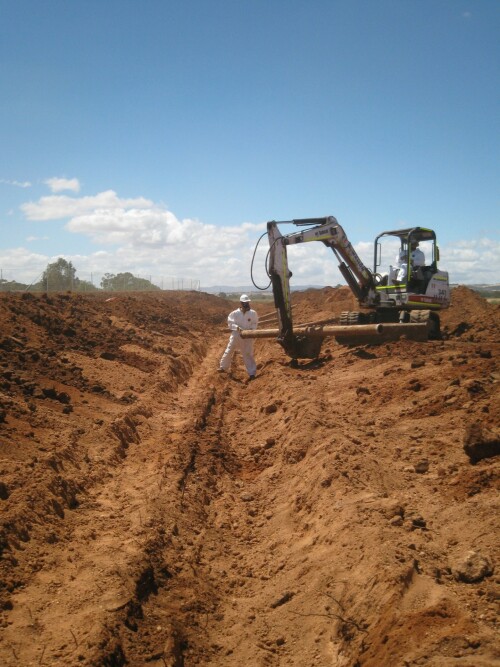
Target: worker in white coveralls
x,y
417,258
241,319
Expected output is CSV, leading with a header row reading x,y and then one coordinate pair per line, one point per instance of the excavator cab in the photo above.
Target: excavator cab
x,y
406,267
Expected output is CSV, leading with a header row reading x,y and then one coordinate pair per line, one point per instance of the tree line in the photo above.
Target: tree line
x,y
60,276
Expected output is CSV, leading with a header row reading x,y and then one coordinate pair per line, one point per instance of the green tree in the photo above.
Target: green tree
x,y
107,281
11,285
59,276
125,282
85,286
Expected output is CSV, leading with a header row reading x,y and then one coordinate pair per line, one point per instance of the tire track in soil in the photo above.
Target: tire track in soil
x,y
214,567
193,541
203,591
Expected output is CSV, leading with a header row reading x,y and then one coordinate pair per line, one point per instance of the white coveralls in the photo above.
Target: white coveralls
x,y
243,320
417,258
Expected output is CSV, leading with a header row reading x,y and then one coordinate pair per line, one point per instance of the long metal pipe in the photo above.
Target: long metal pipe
x,y
319,331
414,330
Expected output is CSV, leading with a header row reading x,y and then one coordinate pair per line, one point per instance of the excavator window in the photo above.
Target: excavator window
x,y
394,249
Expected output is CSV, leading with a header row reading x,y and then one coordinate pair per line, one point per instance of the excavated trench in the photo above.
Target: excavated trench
x,y
176,593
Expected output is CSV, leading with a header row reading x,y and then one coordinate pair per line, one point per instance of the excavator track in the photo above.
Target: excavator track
x,y
351,317
356,317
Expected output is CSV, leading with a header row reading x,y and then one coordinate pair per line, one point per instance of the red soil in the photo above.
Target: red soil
x,y
340,514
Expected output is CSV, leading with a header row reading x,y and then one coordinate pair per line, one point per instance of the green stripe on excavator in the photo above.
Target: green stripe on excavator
x,y
381,287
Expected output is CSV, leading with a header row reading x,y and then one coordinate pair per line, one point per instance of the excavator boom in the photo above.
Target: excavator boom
x,y
330,232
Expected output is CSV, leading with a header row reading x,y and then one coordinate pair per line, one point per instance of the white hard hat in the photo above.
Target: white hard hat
x,y
244,298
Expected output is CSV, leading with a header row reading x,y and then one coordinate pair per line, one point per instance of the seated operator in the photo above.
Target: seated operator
x,y
417,258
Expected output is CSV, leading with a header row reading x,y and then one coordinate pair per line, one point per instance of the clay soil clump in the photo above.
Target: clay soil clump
x,y
155,512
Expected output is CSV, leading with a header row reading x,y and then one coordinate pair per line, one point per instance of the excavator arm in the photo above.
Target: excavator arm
x,y
328,231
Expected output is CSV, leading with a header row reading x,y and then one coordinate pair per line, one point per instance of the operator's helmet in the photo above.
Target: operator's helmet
x,y
244,298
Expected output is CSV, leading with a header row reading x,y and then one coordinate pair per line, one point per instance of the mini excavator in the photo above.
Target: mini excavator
x,y
408,308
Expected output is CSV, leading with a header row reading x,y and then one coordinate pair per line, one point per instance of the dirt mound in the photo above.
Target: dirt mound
x,y
155,513
471,315
322,304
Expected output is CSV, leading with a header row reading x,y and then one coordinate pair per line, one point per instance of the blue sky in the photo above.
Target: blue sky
x,y
158,137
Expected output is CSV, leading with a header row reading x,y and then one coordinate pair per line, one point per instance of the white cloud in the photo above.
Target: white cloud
x,y
58,207
148,240
29,239
476,261
22,265
61,184
213,262
17,184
